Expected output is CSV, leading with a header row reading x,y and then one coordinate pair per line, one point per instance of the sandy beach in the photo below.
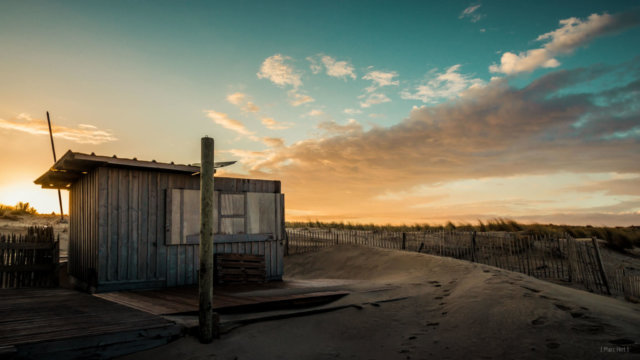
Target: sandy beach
x,y
417,306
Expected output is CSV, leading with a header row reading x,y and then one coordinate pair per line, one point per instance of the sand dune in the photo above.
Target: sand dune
x,y
439,308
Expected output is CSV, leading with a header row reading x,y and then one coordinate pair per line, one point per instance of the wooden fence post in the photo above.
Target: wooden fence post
x,y
206,241
600,265
473,246
404,241
286,243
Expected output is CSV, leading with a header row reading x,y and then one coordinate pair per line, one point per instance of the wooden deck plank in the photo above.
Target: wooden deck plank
x,y
64,324
185,300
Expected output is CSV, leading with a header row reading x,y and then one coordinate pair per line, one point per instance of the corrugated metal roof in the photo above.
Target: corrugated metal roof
x,y
72,165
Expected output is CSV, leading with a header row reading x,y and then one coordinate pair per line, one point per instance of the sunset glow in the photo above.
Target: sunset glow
x,y
402,112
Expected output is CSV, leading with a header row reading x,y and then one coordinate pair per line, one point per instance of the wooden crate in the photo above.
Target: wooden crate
x,y
239,268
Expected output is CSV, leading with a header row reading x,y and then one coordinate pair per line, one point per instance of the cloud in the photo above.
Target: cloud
x,y
471,14
315,112
352,111
297,99
226,122
442,86
315,67
380,79
84,134
273,142
250,107
495,131
237,98
333,67
275,69
571,34
333,128
625,186
373,99
339,69
242,101
271,124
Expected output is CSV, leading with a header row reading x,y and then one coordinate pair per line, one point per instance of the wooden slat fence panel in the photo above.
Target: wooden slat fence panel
x,y
559,258
29,260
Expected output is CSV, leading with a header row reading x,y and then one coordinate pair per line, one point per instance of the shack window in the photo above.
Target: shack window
x,y
232,213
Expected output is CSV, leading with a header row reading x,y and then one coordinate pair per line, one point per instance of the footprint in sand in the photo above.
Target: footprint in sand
x,y
562,307
531,289
438,298
539,321
588,328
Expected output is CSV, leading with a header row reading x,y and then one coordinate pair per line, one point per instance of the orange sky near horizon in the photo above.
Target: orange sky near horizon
x,y
370,120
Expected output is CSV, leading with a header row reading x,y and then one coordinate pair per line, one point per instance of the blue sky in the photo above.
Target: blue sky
x,y
341,98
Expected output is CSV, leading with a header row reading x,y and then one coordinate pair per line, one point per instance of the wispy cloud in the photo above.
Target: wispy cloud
x,y
84,134
380,79
352,111
242,100
276,69
296,98
273,142
471,13
442,86
571,34
236,98
271,124
373,99
334,68
315,112
226,122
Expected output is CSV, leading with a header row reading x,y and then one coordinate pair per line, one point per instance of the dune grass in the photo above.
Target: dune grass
x,y
618,238
13,212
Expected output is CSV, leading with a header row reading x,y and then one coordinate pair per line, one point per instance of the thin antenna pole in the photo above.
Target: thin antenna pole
x,y
53,148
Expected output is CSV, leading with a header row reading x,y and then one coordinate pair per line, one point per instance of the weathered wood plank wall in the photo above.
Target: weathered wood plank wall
x,y
118,233
83,229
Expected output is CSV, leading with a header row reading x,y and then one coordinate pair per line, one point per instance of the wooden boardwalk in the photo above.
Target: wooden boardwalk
x,y
184,300
66,324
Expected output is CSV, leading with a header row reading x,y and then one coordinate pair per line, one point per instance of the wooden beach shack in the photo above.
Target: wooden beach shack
x,y
135,224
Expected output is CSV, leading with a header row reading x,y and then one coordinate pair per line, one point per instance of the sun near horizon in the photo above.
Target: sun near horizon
x,y
397,113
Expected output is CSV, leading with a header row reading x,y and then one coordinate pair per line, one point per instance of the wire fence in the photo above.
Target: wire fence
x,y
558,258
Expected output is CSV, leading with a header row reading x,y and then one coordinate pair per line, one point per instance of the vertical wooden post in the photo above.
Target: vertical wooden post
x,y
404,241
473,247
206,241
600,265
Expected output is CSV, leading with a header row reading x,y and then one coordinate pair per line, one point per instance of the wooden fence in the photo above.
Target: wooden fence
x,y
29,260
562,259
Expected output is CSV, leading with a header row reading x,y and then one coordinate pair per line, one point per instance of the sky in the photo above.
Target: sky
x,y
394,112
